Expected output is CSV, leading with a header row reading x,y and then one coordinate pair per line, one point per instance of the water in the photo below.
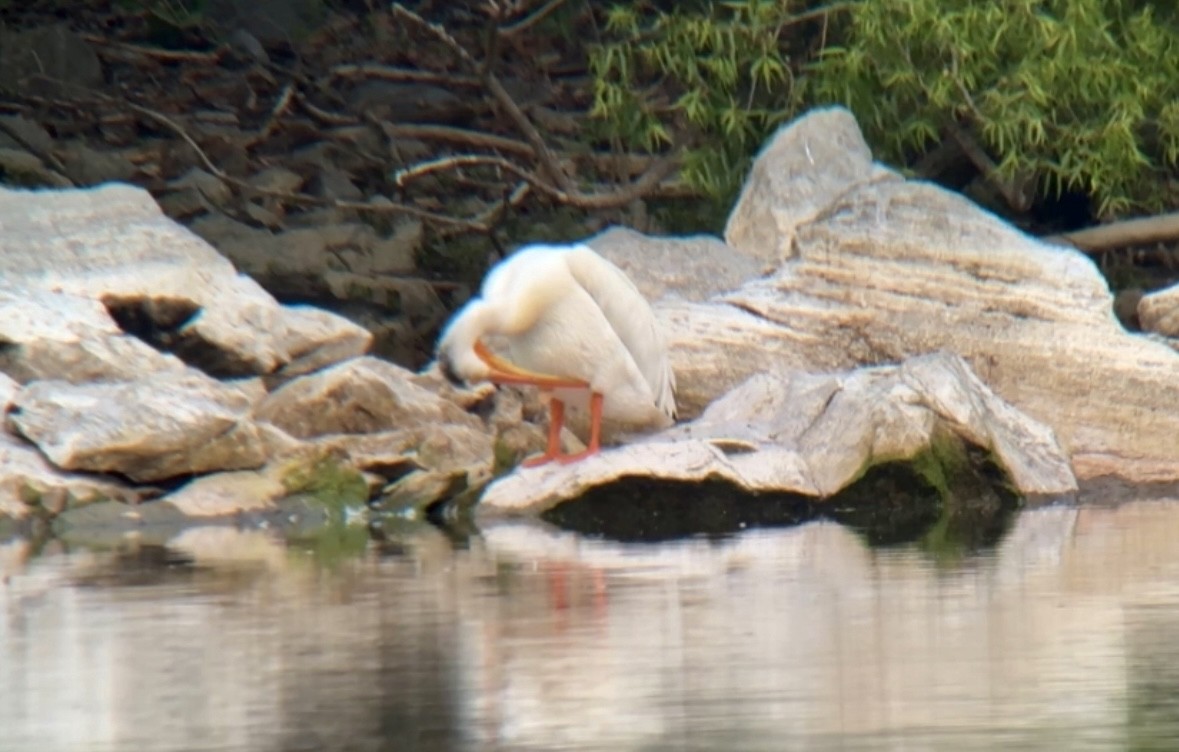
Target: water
x,y
1063,636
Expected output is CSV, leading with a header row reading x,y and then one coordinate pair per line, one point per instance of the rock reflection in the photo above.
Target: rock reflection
x,y
531,638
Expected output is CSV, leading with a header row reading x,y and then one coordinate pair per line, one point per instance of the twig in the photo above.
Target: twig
x,y
296,198
544,156
390,73
448,134
607,200
1163,228
280,106
531,20
329,118
177,56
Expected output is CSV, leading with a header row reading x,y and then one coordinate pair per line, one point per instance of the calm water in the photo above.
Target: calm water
x,y
1065,636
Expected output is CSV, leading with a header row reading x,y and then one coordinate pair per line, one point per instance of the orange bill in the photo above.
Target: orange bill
x,y
503,372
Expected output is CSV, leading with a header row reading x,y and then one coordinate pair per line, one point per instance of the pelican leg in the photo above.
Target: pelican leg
x,y
595,442
556,421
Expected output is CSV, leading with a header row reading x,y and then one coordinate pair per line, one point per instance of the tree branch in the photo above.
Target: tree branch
x,y
1163,228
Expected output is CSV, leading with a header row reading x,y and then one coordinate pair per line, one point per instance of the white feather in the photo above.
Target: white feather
x,y
568,312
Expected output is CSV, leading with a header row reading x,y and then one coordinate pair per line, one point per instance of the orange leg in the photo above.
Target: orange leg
x,y
556,420
595,442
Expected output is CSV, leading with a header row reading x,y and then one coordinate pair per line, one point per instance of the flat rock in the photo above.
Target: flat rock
x,y
889,269
693,268
227,494
161,426
56,335
28,482
113,244
364,395
813,434
1159,312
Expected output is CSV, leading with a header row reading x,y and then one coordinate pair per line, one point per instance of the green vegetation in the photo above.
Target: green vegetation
x,y
1063,95
722,70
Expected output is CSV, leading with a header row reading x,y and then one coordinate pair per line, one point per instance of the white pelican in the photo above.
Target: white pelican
x,y
573,325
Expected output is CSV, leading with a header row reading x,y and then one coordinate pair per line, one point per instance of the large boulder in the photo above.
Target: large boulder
x,y
889,269
112,244
160,426
813,434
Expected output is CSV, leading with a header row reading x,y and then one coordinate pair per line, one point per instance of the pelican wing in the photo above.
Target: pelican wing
x,y
631,318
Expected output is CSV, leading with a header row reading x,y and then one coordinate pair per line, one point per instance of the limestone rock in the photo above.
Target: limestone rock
x,y
52,335
1159,312
803,168
813,434
692,268
161,426
27,481
227,494
113,244
890,269
8,390
364,395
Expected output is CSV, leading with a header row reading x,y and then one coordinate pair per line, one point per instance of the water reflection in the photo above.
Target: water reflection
x,y
1064,636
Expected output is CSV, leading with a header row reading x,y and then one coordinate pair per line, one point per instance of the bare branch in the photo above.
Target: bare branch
x,y
448,134
1163,228
544,156
529,21
605,200
390,73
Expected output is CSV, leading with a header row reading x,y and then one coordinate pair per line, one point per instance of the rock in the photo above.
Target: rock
x,y
1159,311
813,434
272,22
800,172
49,335
8,390
28,482
227,494
316,338
113,244
48,61
161,426
278,179
890,269
333,183
693,268
207,185
409,103
86,166
397,253
248,44
19,167
364,395
18,132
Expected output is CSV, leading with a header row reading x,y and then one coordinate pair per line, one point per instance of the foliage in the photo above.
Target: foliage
x,y
1076,94
719,71
1063,95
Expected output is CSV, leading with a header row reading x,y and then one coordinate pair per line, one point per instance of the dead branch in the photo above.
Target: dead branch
x,y
546,159
607,200
555,181
328,118
383,207
532,19
1163,228
280,106
448,134
1011,190
391,73
172,56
